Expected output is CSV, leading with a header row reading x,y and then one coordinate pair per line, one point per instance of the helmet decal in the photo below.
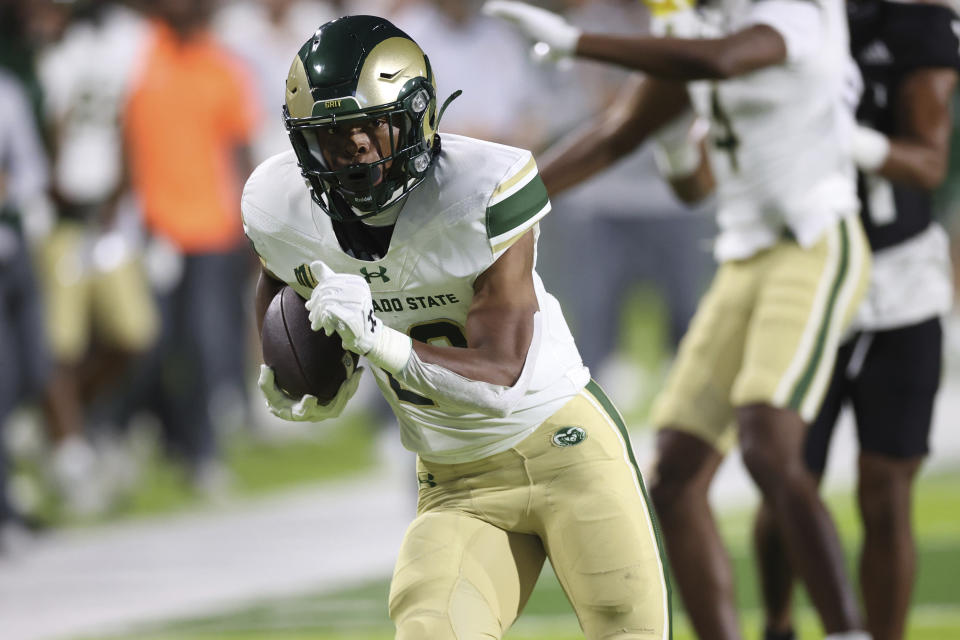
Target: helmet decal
x,y
298,99
387,68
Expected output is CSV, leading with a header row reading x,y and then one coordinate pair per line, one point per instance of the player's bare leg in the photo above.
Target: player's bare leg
x,y
101,369
888,557
61,403
771,441
774,574
684,468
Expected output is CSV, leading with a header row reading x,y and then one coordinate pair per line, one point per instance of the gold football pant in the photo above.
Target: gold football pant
x,y
766,332
570,492
116,305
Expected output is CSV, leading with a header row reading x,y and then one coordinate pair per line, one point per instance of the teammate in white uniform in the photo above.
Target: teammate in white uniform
x,y
890,368
769,77
101,316
420,253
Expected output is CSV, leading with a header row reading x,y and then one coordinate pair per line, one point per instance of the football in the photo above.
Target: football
x,y
304,361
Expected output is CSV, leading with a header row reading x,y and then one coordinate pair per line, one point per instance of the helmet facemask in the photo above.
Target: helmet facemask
x,y
396,132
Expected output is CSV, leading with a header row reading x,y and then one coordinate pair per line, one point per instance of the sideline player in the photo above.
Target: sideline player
x,y
794,263
420,253
889,371
101,316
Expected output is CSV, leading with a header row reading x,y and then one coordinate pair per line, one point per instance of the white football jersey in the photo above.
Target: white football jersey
x,y
86,77
478,199
780,136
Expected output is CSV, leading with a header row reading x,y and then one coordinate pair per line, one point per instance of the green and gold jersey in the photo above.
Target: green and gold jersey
x,y
478,200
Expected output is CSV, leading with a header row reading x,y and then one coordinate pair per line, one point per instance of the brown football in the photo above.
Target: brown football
x,y
304,361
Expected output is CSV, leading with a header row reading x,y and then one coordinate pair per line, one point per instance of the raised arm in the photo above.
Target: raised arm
x,y
642,107
754,47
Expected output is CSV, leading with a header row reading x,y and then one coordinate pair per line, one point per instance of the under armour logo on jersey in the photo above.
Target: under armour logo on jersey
x,y
305,276
370,276
373,320
876,53
426,479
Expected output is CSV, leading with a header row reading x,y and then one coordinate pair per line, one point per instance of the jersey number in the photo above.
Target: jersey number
x,y
442,332
725,137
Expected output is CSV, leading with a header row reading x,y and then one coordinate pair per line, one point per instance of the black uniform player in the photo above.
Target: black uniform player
x,y
908,55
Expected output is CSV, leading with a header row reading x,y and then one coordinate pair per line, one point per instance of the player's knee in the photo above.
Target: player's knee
x,y
621,621
415,615
630,634
431,624
877,497
442,610
630,603
761,465
681,472
773,469
422,624
771,445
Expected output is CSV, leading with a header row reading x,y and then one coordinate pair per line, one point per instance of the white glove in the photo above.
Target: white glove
x,y
676,147
537,24
307,408
341,303
870,148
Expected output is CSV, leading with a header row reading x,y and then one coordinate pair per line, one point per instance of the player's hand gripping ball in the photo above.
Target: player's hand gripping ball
x,y
341,303
307,375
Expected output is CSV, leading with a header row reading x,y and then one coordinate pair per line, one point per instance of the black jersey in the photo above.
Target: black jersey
x,y
889,40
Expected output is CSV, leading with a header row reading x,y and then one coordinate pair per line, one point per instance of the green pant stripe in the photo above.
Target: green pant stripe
x,y
803,384
594,390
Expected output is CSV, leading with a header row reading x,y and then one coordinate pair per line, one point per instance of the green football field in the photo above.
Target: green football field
x,y
359,613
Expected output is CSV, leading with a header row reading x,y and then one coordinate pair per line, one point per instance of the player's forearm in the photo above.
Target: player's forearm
x,y
486,379
688,59
641,108
494,358
918,155
581,155
915,165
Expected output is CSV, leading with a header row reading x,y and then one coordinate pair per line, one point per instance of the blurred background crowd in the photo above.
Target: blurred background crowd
x,y
127,129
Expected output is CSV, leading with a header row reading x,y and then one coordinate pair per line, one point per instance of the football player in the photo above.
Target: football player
x,y
889,370
794,264
101,316
419,251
